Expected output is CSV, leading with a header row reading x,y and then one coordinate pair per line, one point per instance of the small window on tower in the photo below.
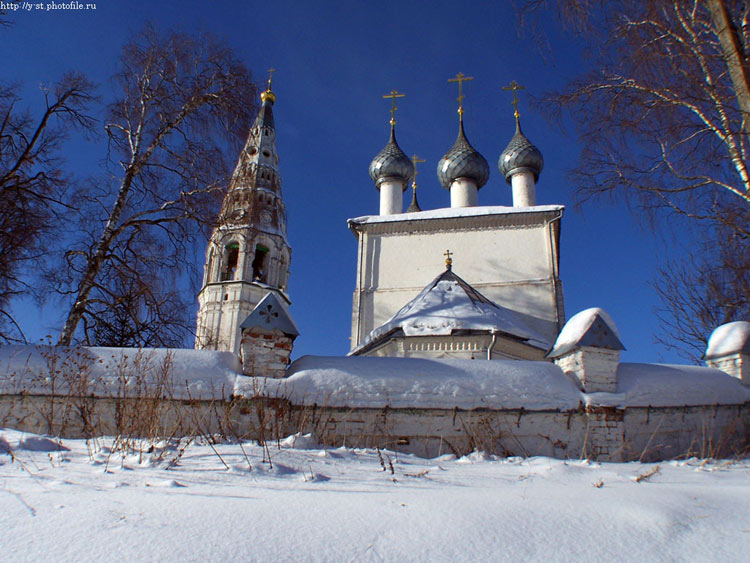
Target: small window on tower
x,y
259,273
230,264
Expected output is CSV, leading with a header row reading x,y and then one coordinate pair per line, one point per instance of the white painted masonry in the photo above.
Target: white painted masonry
x,y
524,191
595,368
510,255
391,196
737,365
464,193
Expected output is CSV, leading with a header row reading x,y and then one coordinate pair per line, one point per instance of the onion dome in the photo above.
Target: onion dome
x,y
520,156
391,162
462,161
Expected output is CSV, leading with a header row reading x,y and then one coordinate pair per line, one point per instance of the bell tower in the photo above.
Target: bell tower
x,y
248,255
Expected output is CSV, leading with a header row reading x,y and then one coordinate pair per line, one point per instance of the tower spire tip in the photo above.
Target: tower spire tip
x,y
268,94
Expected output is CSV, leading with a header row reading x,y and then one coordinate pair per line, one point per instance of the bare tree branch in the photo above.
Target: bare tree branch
x,y
185,105
663,121
32,179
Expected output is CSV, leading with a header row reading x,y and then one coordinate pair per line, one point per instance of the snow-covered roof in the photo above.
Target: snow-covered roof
x,y
360,381
643,385
591,327
270,314
452,212
447,304
189,373
357,381
372,382
728,339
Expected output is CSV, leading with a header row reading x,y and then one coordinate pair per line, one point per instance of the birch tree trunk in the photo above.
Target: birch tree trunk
x,y
185,106
734,55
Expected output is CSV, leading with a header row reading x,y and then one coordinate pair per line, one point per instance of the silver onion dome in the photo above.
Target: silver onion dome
x,y
391,162
520,155
462,161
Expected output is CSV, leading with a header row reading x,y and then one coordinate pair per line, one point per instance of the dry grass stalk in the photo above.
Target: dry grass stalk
x,y
644,476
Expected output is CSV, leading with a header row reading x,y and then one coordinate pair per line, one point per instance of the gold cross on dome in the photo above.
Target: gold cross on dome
x,y
515,86
393,95
448,259
460,78
416,160
270,77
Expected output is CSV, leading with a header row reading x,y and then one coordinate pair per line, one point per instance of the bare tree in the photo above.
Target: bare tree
x,y
32,180
184,104
663,120
139,311
709,288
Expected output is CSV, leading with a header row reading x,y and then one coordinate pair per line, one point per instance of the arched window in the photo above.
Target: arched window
x,y
283,274
209,275
232,255
259,263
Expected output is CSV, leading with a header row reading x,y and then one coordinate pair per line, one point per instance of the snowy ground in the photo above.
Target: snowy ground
x,y
73,501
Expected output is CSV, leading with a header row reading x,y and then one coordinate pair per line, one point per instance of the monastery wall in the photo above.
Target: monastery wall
x,y
600,433
704,431
126,418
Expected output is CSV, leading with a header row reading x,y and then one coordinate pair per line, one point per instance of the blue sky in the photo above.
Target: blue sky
x,y
334,62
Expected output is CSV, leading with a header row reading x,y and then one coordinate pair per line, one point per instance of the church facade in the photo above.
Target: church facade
x,y
508,255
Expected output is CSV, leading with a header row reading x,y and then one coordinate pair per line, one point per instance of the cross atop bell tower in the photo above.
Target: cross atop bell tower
x,y
248,255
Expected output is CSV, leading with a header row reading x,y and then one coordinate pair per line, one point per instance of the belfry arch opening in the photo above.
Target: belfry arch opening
x,y
283,268
259,263
232,253
209,275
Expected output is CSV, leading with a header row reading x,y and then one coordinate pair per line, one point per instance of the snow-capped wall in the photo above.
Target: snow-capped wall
x,y
358,381
111,372
424,406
